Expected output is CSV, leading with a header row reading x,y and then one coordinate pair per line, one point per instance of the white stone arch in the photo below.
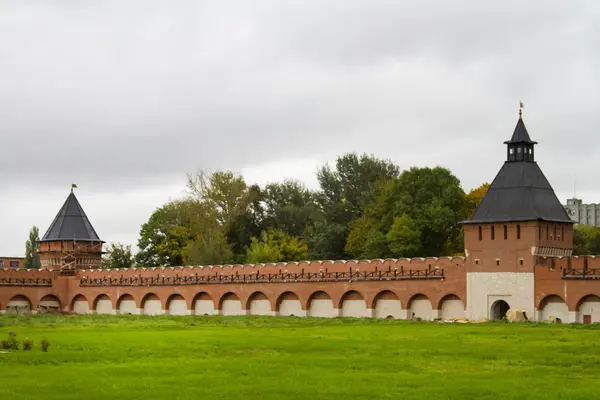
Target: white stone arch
x,y
353,305
451,307
19,304
126,304
387,305
259,304
203,304
49,303
103,304
151,305
589,305
419,306
231,304
289,304
176,305
553,306
321,305
80,305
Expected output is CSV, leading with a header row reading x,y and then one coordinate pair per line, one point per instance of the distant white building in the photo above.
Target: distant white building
x,y
584,214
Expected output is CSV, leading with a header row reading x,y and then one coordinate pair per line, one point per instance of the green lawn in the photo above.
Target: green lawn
x,y
128,357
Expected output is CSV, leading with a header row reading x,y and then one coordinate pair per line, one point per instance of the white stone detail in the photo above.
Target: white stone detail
x,y
452,308
204,307
589,308
104,306
421,308
260,307
322,308
485,288
232,307
555,309
291,307
81,307
355,309
18,306
387,308
152,307
572,317
49,305
128,307
178,307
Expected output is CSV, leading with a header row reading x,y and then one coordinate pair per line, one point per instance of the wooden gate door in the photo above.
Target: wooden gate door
x,y
587,319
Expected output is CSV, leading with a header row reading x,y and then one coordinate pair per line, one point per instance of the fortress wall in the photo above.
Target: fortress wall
x,y
577,295
289,297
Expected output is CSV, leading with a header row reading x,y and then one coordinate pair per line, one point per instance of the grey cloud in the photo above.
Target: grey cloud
x,y
123,95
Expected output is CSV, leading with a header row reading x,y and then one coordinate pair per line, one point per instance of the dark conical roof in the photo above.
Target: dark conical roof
x,y
71,223
520,192
520,134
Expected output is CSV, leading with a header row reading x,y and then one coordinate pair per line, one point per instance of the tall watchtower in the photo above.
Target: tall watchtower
x,y
518,219
71,243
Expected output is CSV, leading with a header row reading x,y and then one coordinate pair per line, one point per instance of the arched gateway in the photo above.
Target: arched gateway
x,y
499,310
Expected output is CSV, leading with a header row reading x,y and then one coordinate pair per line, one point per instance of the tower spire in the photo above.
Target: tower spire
x,y
521,107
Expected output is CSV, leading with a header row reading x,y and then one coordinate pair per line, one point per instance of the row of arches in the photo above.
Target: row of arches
x,y
320,304
554,306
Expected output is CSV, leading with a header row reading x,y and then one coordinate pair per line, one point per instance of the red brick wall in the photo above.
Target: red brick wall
x,y
67,288
7,262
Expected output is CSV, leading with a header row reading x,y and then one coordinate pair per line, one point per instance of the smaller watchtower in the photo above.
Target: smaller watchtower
x,y
71,243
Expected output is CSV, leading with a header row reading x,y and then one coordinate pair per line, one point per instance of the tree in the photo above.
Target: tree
x,y
586,240
276,246
289,207
209,248
222,191
325,240
473,198
404,237
168,231
414,214
32,245
117,256
236,206
345,191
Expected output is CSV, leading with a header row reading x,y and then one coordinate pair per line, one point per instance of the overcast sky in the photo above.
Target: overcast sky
x,y
125,97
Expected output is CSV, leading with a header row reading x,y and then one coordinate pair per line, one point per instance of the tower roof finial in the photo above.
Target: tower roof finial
x,y
73,186
521,107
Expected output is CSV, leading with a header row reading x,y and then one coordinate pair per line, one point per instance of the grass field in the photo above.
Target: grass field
x,y
128,357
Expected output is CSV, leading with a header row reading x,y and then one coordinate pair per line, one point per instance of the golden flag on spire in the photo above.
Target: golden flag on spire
x,y
521,107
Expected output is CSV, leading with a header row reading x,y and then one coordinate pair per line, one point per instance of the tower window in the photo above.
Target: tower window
x,y
519,150
547,231
480,234
562,233
493,233
505,232
511,151
540,232
555,232
518,231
